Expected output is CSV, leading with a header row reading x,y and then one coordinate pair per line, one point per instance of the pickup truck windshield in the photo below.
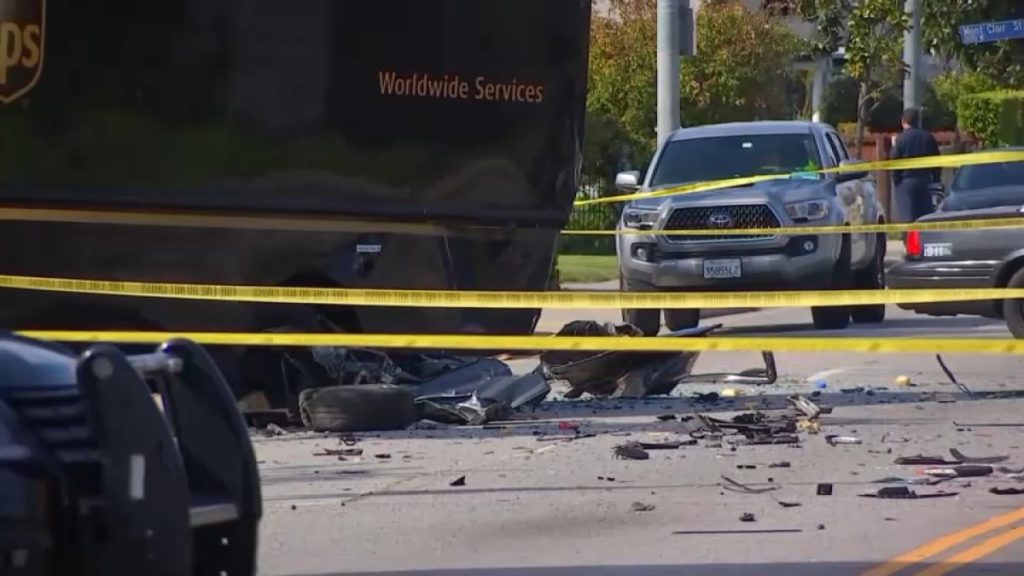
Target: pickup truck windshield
x,y
721,157
982,176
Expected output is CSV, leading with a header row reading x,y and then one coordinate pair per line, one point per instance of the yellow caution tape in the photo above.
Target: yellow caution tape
x,y
573,343
942,161
979,224
495,299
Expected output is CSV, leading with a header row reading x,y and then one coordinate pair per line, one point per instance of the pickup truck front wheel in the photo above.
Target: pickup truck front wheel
x,y
682,319
871,278
647,320
836,317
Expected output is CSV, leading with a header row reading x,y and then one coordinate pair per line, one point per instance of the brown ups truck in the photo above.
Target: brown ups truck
x,y
428,144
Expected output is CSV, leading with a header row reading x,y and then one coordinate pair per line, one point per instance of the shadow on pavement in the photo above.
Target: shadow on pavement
x,y
789,569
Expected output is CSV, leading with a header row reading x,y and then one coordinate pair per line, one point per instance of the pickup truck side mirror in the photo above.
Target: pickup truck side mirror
x,y
853,175
628,181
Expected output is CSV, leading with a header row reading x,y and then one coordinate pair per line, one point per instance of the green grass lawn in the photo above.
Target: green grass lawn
x,y
572,268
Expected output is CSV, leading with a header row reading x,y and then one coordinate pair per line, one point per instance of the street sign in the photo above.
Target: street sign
x,y
992,31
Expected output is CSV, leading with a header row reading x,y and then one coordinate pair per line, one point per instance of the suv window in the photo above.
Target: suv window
x,y
830,147
837,143
978,176
721,157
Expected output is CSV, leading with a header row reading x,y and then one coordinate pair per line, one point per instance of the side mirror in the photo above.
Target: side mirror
x,y
848,176
937,191
628,181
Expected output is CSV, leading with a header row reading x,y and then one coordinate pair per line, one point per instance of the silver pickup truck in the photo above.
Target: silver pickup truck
x,y
678,263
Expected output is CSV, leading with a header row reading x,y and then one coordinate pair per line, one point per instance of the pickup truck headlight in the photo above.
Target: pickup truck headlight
x,y
807,211
639,219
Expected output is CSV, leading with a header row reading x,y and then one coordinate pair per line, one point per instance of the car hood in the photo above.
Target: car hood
x,y
773,191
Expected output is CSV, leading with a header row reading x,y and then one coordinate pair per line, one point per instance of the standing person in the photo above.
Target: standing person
x,y
912,185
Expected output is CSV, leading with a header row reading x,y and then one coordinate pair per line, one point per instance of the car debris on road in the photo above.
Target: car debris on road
x,y
358,390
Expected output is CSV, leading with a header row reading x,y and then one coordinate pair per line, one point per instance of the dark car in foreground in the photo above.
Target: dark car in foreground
x,y
982,258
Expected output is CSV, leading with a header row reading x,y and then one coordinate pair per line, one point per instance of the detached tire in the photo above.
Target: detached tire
x,y
871,278
682,318
647,320
358,408
836,317
1013,309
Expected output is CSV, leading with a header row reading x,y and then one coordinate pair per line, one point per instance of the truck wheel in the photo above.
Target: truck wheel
x,y
682,318
871,278
1013,309
648,321
836,317
357,408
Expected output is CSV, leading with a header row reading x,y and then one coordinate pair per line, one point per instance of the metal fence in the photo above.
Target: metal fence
x,y
591,217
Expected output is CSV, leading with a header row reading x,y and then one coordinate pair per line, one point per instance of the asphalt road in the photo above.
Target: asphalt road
x,y
532,507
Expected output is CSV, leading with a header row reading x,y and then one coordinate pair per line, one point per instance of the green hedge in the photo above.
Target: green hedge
x,y
995,118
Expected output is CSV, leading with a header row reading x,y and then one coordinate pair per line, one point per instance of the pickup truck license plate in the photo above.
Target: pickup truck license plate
x,y
722,268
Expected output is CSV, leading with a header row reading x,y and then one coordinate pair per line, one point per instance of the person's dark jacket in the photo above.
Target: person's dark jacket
x,y
915,143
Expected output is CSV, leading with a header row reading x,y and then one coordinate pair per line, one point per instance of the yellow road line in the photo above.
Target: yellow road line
x,y
944,543
975,552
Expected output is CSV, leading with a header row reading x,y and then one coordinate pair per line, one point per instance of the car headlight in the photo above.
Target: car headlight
x,y
639,219
808,210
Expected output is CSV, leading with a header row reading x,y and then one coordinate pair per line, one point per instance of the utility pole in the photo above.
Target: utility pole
x,y
912,56
668,67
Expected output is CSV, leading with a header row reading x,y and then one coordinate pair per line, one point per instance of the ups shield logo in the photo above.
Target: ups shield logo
x,y
22,32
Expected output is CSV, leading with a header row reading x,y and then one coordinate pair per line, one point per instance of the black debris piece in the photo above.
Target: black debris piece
x,y
782,464
667,445
631,451
734,486
904,493
642,507
616,373
960,471
785,504
920,460
824,489
606,478
382,456
460,481
1007,491
961,457
708,398
746,467
821,526
748,517
667,417
777,439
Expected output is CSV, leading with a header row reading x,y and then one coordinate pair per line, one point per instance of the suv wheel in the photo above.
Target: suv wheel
x,y
871,278
1013,309
647,320
682,318
836,317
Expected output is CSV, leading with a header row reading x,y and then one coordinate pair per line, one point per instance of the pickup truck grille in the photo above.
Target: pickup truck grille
x,y
702,218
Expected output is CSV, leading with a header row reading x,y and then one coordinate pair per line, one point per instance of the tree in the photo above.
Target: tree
x,y
623,70
941,22
743,66
872,31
